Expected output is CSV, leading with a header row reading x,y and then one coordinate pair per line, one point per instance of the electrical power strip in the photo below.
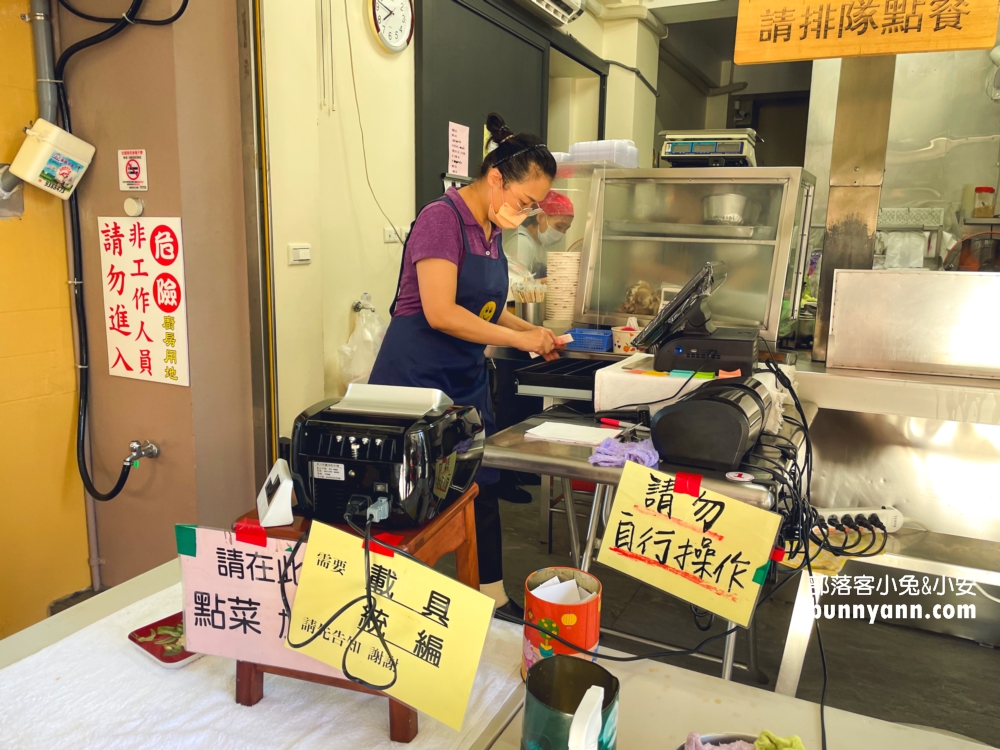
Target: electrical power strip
x,y
891,518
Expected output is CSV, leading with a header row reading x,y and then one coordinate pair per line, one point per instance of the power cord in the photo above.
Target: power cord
x,y
128,18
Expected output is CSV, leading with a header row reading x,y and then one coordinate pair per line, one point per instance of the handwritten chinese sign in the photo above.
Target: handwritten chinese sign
x,y
232,598
779,30
704,548
145,313
435,627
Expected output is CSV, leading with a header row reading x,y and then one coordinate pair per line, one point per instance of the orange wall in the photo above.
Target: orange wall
x,y
44,554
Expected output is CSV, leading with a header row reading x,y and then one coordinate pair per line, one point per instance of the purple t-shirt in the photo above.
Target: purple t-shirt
x,y
437,234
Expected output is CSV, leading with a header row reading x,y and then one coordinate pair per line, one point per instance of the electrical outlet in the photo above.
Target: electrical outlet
x,y
891,518
391,236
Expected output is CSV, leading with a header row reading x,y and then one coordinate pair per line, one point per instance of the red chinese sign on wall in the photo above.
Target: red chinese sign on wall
x,y
142,266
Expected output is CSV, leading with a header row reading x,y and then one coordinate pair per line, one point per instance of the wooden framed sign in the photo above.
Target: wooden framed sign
x,y
769,31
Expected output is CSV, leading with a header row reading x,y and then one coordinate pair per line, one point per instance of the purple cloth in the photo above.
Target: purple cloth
x,y
436,234
612,453
694,743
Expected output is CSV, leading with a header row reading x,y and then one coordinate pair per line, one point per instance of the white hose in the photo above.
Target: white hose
x,y
991,598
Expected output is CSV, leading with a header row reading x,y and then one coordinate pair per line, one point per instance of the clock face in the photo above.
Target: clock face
x,y
392,22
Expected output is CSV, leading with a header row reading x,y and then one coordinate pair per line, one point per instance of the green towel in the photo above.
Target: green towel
x,y
768,741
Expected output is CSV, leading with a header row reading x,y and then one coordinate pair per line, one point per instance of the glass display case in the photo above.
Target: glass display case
x,y
648,231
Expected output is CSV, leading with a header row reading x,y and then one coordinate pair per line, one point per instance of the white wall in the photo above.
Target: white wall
x,y
294,178
356,259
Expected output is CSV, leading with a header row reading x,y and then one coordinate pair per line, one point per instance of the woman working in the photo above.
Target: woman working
x,y
543,231
450,304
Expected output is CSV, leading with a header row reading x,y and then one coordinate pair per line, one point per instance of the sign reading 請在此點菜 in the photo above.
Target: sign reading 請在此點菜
x,y
434,627
692,543
769,31
145,306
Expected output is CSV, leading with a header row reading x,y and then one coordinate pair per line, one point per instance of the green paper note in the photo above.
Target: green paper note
x,y
187,539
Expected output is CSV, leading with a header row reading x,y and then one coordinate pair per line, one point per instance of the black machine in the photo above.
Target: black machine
x,y
409,445
684,337
713,427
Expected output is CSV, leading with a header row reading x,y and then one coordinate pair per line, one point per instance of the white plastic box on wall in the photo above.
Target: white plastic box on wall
x,y
52,159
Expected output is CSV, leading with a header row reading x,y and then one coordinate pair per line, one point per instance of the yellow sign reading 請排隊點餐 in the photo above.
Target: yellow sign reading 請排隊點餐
x,y
434,626
695,544
770,31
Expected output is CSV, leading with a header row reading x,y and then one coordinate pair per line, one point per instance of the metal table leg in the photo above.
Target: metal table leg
x,y
574,534
545,517
729,653
799,632
600,493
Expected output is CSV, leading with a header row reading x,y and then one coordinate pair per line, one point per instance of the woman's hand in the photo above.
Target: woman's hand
x,y
539,340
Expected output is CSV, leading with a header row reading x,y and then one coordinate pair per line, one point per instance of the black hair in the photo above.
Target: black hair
x,y
517,156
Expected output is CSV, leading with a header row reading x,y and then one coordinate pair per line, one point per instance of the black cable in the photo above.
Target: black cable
x,y
142,21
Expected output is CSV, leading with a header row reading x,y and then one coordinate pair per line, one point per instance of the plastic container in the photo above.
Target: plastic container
x,y
984,203
52,159
621,152
623,336
590,340
578,623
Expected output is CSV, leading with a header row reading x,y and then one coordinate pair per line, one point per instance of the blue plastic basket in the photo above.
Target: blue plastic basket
x,y
590,340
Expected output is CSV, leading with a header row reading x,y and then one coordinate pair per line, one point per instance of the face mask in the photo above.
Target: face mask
x,y
507,217
551,236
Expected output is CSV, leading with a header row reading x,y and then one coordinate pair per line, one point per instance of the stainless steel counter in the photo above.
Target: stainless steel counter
x,y
927,396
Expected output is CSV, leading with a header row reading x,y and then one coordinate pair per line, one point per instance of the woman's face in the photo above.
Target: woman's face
x,y
518,195
560,223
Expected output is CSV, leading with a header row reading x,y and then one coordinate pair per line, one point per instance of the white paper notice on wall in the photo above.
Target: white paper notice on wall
x,y
458,149
145,313
132,175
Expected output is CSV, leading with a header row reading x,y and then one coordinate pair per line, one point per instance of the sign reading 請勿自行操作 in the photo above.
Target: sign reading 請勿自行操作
x,y
695,544
769,31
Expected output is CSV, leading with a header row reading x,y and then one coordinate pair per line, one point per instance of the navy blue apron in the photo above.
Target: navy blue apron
x,y
415,354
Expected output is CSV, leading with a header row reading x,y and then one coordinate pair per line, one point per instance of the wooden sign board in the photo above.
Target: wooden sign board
x,y
695,544
769,31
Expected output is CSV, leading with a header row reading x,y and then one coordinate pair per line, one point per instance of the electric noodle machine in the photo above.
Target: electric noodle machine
x,y
412,446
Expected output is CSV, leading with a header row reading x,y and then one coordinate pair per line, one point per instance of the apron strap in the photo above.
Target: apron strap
x,y
402,259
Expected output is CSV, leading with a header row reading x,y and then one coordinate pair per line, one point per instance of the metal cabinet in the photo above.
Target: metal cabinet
x,y
650,230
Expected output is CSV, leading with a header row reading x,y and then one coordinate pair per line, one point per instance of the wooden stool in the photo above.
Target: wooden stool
x,y
452,531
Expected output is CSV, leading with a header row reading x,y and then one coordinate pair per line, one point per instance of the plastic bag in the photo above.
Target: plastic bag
x,y
357,356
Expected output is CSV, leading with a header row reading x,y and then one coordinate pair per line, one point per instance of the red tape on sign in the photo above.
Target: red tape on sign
x,y
392,539
688,484
778,554
251,532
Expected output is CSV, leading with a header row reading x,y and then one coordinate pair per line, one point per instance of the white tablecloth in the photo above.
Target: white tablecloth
x,y
95,689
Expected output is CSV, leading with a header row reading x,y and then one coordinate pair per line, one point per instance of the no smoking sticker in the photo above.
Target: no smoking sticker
x,y
132,175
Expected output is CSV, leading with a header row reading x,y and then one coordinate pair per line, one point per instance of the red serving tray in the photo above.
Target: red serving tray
x,y
163,641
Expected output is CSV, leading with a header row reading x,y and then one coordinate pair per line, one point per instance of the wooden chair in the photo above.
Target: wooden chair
x,y
452,531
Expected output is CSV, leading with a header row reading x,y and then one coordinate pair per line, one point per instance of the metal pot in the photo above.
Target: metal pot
x,y
721,739
728,208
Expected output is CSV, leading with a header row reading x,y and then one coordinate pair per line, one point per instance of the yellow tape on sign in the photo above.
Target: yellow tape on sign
x,y
434,625
694,544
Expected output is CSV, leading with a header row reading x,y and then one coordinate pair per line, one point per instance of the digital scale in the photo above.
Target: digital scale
x,y
709,148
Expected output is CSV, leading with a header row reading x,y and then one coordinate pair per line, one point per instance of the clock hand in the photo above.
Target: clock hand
x,y
391,11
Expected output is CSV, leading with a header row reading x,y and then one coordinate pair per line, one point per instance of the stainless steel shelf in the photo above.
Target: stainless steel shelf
x,y
708,240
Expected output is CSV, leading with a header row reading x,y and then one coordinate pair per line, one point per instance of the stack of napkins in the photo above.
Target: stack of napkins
x,y
555,591
575,434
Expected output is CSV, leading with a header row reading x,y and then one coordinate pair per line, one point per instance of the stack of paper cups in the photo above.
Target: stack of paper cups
x,y
565,602
563,278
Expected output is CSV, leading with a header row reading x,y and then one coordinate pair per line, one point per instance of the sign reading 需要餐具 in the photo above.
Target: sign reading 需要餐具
x,y
695,544
770,31
145,306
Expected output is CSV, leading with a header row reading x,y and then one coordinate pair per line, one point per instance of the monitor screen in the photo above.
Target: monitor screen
x,y
671,318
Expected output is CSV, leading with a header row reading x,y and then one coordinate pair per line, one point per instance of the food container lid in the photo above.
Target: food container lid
x,y
985,190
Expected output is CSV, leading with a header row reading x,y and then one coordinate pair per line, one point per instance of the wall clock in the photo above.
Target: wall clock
x,y
392,23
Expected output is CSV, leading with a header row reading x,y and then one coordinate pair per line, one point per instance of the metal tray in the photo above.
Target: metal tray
x,y
560,378
711,231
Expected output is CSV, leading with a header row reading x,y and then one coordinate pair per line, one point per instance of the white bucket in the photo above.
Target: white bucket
x,y
623,335
52,159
